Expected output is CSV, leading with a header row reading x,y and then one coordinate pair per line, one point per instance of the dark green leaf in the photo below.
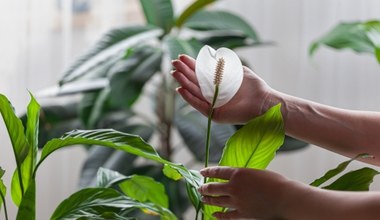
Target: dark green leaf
x,y
333,172
98,201
108,50
189,11
345,35
291,144
129,143
145,189
27,209
357,180
178,46
254,145
159,13
94,106
228,40
192,126
221,21
106,178
130,75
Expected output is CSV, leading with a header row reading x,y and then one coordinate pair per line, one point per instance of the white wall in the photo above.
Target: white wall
x,y
342,79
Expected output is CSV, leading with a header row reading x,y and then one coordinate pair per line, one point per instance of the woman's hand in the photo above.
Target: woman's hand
x,y
246,104
248,193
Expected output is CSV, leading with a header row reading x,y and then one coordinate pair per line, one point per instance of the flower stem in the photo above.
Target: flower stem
x,y
5,206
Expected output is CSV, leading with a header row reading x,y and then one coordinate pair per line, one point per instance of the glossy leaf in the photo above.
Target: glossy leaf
x,y
159,13
130,75
3,188
171,173
101,201
111,45
94,106
333,172
27,208
145,189
253,146
221,21
177,46
117,140
357,180
345,36
192,126
189,11
107,178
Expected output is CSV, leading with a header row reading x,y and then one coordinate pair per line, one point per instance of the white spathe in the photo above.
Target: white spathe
x,y
232,75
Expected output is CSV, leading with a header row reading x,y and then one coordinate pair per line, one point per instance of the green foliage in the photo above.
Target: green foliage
x,y
3,188
362,37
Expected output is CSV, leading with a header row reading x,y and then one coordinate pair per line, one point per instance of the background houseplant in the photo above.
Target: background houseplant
x,y
113,74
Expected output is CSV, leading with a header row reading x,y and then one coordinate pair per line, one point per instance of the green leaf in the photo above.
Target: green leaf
x,y
101,201
229,40
221,21
345,35
3,188
357,180
333,172
171,173
27,208
145,189
94,106
254,145
373,33
189,11
130,75
129,143
192,126
176,46
107,178
109,49
159,13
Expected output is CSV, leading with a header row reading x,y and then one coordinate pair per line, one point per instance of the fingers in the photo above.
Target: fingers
x,y
221,201
189,61
224,173
214,189
186,70
188,84
194,101
227,215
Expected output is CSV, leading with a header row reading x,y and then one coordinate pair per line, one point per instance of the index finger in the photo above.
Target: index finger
x,y
224,173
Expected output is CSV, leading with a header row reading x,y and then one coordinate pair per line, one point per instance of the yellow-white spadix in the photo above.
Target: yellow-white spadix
x,y
220,68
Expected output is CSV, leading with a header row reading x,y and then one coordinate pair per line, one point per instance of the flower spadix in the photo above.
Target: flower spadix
x,y
218,69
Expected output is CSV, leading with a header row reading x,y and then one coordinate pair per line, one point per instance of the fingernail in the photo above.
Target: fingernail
x,y
172,72
174,61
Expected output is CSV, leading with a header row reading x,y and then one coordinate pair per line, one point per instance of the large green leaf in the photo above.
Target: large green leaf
x,y
176,46
3,188
108,50
345,35
159,13
333,172
192,126
253,146
357,180
229,40
373,33
189,11
106,178
131,74
102,202
145,189
27,208
94,106
129,143
221,21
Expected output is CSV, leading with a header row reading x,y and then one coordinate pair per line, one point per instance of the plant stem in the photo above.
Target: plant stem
x,y
5,206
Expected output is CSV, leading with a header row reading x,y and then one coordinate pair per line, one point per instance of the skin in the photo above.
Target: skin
x,y
270,195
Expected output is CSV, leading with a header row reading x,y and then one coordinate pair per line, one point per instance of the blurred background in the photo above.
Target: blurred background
x,y
40,38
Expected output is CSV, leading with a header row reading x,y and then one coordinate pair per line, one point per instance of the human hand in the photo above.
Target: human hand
x,y
247,103
248,193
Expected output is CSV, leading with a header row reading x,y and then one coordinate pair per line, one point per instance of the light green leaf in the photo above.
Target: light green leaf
x,y
253,146
159,13
357,180
97,202
108,50
3,188
373,33
345,35
333,172
107,178
171,173
145,189
221,21
189,11
129,143
27,208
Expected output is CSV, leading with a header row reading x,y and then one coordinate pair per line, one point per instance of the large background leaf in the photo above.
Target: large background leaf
x,y
189,11
159,13
357,180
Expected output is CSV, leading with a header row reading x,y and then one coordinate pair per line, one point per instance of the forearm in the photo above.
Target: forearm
x,y
343,131
313,203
